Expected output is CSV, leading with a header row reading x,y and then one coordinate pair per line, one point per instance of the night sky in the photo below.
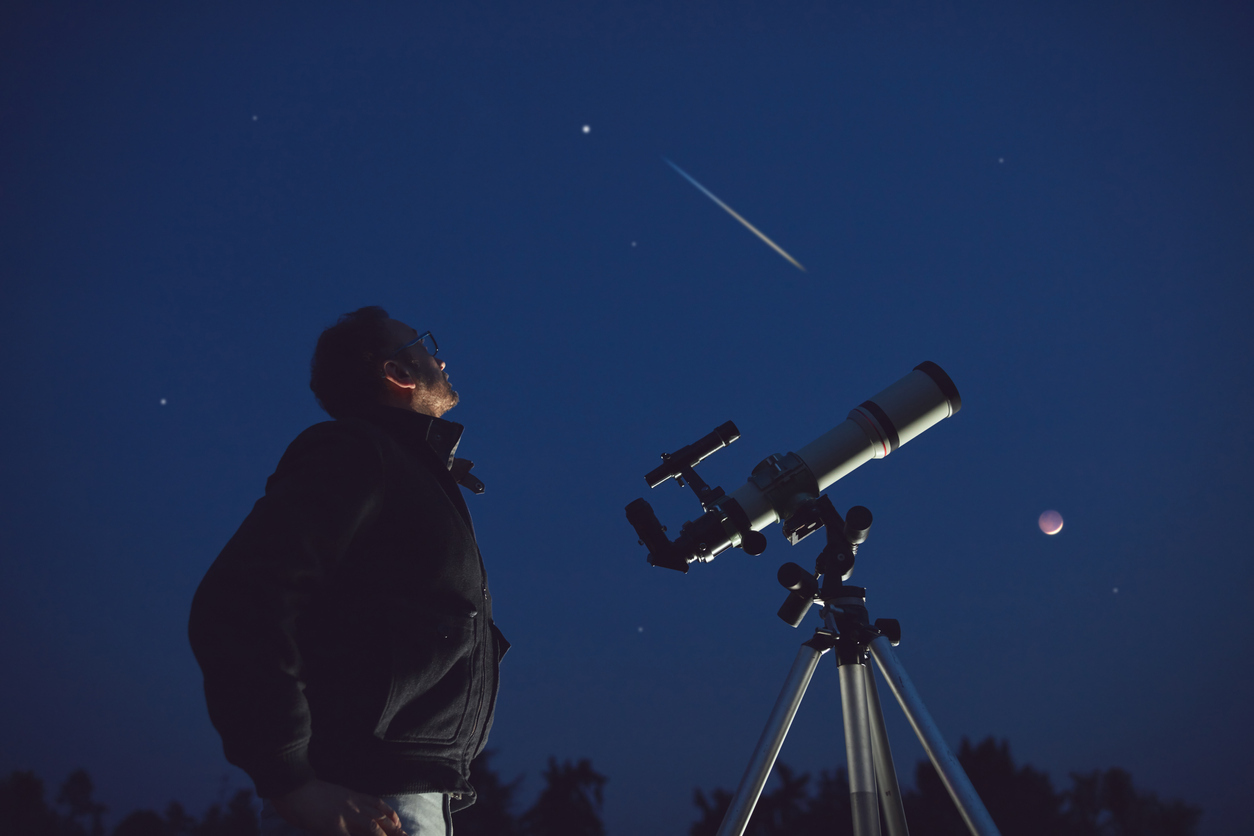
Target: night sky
x,y
1053,201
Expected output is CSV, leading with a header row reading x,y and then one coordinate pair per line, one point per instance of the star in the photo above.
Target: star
x,y
163,401
999,159
254,117
587,129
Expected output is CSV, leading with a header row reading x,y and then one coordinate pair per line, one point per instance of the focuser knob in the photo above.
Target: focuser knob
x,y
753,543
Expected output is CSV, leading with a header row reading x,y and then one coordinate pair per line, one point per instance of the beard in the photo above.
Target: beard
x,y
436,394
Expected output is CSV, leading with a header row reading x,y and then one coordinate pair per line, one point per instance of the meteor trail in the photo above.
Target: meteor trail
x,y
732,212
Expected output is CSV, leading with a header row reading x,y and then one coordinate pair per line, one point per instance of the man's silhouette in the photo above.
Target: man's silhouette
x,y
345,632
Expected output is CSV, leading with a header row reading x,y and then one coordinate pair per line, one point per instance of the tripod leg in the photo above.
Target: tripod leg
x,y
862,796
955,780
885,771
777,725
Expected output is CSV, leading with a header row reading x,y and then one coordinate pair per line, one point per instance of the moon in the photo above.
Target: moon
x,y
1050,522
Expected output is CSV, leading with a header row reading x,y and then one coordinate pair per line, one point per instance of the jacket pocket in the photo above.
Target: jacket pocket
x,y
430,693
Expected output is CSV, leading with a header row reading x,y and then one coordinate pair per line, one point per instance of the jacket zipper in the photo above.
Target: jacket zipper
x,y
483,670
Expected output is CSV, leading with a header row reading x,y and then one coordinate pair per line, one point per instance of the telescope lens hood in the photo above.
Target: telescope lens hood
x,y
943,382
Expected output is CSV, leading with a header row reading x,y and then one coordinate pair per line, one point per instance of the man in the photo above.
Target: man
x,y
345,632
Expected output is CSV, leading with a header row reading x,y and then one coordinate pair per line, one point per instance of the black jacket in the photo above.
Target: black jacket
x,y
345,632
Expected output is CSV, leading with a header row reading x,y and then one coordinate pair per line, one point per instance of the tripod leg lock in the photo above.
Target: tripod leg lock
x,y
822,640
889,628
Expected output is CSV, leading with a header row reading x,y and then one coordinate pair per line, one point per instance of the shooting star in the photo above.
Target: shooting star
x,y
776,247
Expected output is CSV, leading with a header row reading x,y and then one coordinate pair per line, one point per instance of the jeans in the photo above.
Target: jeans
x,y
422,814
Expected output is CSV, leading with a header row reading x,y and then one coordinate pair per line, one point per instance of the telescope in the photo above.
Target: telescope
x,y
789,489
786,488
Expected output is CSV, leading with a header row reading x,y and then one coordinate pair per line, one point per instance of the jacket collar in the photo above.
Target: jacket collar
x,y
440,435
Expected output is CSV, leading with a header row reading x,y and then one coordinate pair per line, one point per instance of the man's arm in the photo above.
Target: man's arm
x,y
327,486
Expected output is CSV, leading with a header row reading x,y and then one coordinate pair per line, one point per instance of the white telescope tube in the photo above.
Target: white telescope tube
x,y
873,429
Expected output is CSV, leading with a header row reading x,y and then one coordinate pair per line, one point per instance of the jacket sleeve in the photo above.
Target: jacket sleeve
x,y
328,485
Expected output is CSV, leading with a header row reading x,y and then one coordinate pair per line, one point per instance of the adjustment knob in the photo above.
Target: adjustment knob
x,y
857,524
795,579
836,561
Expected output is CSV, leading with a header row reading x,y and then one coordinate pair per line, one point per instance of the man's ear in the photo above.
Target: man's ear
x,y
398,375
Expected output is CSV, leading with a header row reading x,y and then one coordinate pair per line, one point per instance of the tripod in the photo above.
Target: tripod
x,y
789,489
847,631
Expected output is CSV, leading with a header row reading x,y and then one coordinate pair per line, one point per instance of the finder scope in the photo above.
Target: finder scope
x,y
673,464
782,484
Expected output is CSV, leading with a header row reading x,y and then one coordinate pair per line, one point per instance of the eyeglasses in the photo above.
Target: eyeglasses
x,y
428,343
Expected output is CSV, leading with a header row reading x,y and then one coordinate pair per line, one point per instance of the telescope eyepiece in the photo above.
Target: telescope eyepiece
x,y
653,535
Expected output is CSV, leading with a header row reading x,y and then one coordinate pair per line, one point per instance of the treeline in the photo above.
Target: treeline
x,y
25,811
1021,800
568,805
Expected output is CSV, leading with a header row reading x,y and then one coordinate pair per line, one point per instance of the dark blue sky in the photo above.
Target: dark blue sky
x,y
1053,202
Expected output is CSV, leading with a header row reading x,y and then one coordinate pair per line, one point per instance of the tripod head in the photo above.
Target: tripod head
x,y
834,564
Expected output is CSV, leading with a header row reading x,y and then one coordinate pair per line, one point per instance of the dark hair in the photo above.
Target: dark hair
x,y
344,373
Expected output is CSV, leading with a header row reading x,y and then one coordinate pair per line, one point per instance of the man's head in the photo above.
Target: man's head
x,y
362,359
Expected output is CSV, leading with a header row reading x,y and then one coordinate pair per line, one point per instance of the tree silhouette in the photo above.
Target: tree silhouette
x,y
713,809
76,796
239,818
569,804
177,821
491,814
1106,804
23,811
1019,800
141,823
829,810
787,809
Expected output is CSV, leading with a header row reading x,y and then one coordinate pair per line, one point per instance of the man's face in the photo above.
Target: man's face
x,y
431,393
